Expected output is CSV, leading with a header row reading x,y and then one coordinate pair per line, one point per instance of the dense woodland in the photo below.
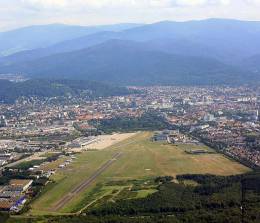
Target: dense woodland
x,y
215,199
147,122
210,198
10,91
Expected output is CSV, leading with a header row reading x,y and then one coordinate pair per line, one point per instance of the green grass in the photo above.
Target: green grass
x,y
142,159
190,183
145,193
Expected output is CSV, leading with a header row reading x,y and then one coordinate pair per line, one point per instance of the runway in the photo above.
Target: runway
x,y
84,185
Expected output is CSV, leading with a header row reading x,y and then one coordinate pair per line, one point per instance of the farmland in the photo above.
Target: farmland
x,y
114,172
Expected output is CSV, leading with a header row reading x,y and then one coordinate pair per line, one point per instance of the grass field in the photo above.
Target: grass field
x,y
141,159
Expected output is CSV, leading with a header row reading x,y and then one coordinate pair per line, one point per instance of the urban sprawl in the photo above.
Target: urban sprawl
x,y
41,131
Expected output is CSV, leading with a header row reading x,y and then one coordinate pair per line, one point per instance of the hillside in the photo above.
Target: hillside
x,y
130,63
10,91
252,63
62,47
230,37
42,36
193,52
207,36
168,45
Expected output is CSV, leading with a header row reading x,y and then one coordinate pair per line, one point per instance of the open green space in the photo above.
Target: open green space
x,y
141,160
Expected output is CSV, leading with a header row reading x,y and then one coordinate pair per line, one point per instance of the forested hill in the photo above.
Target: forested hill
x,y
163,53
10,91
130,63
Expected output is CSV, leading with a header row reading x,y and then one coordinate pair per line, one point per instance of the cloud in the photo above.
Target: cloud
x,y
44,4
73,4
253,2
16,13
187,3
190,2
97,4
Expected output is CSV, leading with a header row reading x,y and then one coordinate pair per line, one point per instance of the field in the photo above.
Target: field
x,y
123,171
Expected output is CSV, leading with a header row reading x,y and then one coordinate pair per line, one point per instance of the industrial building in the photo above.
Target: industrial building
x,y
13,196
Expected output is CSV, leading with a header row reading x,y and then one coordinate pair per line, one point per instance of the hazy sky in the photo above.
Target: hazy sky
x,y
16,13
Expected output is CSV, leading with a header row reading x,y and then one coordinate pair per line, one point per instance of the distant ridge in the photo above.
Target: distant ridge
x,y
193,52
40,36
130,63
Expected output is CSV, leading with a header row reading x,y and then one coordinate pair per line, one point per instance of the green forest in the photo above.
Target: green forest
x,y
11,91
215,199
149,121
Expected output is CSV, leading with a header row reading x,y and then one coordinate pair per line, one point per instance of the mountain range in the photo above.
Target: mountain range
x,y
213,51
42,36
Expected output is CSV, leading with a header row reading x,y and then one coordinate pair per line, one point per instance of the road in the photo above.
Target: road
x,y
84,185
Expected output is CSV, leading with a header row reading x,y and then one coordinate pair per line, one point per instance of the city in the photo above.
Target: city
x,y
224,118
129,111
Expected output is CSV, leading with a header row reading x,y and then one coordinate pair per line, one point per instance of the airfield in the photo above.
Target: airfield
x,y
110,173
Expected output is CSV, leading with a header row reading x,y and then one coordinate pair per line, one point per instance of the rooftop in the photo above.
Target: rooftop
x,y
19,182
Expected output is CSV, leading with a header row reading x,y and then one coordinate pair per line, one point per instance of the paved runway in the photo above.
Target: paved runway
x,y
84,185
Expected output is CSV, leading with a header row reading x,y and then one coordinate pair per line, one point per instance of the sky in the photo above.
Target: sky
x,y
19,13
